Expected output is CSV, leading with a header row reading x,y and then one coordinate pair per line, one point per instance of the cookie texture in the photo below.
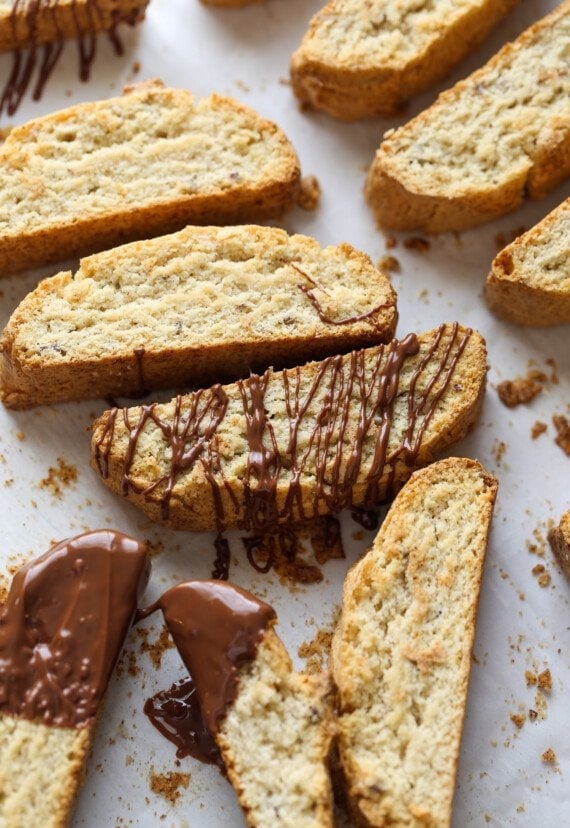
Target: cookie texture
x,y
287,446
195,307
559,538
401,655
529,282
275,742
500,134
362,58
28,23
150,162
28,795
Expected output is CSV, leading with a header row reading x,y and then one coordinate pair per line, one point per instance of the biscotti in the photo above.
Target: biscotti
x,y
34,22
361,59
200,306
401,655
497,136
529,283
272,725
559,538
287,446
149,162
62,629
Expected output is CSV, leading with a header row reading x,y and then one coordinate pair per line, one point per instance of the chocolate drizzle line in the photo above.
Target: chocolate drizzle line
x,y
29,53
347,407
217,628
64,624
310,294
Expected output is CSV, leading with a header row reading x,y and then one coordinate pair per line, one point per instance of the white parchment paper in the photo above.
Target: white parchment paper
x,y
522,626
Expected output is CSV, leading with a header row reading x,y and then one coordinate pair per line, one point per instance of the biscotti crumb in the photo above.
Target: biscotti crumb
x,y
168,784
521,389
549,756
389,263
562,427
155,649
309,193
532,714
64,474
518,719
418,244
316,651
136,67
537,429
391,242
530,677
544,681
499,449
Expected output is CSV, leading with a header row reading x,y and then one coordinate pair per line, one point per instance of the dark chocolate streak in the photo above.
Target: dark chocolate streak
x,y
30,54
63,626
354,395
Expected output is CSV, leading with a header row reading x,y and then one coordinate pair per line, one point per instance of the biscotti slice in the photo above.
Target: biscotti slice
x,y
401,655
202,305
360,58
273,726
497,136
529,283
29,23
61,631
287,446
149,162
559,538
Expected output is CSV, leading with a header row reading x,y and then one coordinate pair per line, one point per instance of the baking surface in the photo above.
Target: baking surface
x,y
523,626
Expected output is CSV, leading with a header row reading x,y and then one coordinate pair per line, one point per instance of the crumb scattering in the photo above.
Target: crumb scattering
x,y
521,390
549,756
537,429
389,263
562,438
309,193
417,244
391,242
64,474
168,784
518,719
544,680
155,649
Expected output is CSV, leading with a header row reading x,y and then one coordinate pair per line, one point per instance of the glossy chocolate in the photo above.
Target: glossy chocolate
x,y
64,624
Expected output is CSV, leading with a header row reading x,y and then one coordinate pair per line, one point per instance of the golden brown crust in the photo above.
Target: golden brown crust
x,y
352,92
401,655
66,19
36,370
559,537
94,228
407,200
522,287
192,503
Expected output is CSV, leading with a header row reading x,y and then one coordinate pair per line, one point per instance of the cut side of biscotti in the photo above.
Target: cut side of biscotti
x,y
287,446
529,283
497,136
198,306
275,741
361,59
62,628
559,538
31,23
401,655
149,162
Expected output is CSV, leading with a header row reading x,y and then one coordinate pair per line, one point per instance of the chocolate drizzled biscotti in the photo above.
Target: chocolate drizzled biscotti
x,y
401,655
288,446
26,23
272,725
62,629
559,539
529,283
149,162
497,136
202,305
368,57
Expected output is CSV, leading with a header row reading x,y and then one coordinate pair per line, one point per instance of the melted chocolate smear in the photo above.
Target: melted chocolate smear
x,y
176,714
44,57
221,570
63,626
357,395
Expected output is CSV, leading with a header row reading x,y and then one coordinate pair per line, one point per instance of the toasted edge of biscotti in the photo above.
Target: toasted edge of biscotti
x,y
399,206
192,504
395,561
47,242
65,19
514,291
42,769
34,373
559,538
284,714
352,92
